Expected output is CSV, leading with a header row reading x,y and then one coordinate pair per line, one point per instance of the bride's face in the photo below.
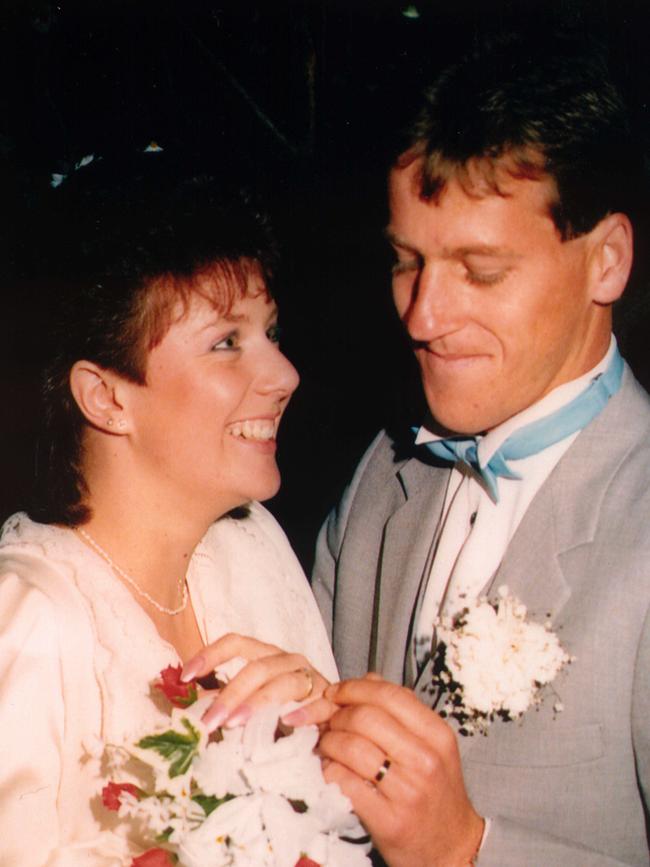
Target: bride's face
x,y
204,424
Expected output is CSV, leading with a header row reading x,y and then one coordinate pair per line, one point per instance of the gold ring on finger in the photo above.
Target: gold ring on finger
x,y
383,770
310,680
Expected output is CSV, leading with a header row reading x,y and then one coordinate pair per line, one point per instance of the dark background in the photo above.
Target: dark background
x,y
304,97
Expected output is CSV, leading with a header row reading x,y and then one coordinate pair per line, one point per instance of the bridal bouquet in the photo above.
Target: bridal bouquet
x,y
250,796
491,661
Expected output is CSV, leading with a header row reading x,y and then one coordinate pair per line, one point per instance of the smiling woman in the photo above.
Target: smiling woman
x,y
145,543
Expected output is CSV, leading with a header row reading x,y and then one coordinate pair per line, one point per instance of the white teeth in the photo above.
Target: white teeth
x,y
254,429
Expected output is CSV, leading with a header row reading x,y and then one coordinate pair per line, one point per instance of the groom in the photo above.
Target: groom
x,y
512,238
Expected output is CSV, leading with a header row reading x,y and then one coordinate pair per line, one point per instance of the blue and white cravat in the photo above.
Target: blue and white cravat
x,y
533,437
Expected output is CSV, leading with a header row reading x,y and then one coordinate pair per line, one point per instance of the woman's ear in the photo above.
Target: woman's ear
x,y
612,258
96,392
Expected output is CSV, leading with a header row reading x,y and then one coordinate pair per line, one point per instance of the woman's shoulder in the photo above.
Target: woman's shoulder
x,y
249,527
34,598
259,588
35,554
37,579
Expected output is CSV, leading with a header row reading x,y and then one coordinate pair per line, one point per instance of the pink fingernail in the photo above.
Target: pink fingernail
x,y
241,715
215,716
192,668
295,718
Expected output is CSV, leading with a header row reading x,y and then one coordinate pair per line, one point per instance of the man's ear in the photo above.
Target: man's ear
x,y
611,258
96,392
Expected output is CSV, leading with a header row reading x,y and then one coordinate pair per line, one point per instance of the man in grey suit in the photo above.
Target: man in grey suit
x,y
511,228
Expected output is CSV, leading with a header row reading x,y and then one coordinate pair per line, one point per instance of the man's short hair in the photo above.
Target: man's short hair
x,y
538,108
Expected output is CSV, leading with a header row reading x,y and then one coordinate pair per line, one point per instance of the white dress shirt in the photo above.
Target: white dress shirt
x,y
474,530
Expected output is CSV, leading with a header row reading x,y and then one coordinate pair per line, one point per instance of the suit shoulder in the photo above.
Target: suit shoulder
x,y
386,454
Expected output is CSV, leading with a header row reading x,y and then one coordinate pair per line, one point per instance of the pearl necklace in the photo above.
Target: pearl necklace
x,y
182,583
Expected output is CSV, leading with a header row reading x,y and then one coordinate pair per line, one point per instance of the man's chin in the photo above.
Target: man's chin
x,y
451,418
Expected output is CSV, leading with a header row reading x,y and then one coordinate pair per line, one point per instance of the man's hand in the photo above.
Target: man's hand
x,y
417,811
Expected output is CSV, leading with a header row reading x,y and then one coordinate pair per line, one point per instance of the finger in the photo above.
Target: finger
x,y
291,686
314,712
270,679
359,755
412,753
233,697
370,803
399,702
386,809
220,651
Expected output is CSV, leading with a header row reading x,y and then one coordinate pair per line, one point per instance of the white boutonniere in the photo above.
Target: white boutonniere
x,y
492,662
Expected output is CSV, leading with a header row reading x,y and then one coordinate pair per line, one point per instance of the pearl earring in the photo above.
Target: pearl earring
x,y
109,422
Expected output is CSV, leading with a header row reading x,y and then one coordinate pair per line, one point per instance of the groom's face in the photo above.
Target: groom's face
x,y
497,305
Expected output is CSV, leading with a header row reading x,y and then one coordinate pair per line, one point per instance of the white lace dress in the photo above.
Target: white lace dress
x,y
77,655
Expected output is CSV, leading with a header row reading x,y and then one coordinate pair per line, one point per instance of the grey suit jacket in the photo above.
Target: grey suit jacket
x,y
562,789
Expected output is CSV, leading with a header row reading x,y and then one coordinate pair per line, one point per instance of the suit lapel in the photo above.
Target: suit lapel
x,y
407,546
531,568
545,561
542,563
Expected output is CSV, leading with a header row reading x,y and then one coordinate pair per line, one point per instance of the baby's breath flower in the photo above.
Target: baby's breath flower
x,y
492,661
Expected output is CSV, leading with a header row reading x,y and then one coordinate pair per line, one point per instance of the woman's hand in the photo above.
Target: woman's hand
x,y
271,676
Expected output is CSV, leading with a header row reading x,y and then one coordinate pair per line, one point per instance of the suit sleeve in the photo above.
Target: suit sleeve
x,y
641,718
508,840
330,541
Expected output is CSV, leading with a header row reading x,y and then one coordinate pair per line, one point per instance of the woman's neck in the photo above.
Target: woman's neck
x,y
154,556
151,559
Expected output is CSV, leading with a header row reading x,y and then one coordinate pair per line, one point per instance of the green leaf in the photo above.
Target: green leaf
x,y
180,749
209,803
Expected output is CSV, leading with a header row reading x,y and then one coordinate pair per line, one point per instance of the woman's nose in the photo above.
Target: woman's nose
x,y
279,375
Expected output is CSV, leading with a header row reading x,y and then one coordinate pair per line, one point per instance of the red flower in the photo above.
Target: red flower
x,y
154,858
111,794
306,862
178,693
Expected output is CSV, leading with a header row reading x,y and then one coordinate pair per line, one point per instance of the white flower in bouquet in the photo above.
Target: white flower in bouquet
x,y
250,796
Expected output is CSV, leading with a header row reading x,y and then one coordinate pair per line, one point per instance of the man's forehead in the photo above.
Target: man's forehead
x,y
479,181
479,176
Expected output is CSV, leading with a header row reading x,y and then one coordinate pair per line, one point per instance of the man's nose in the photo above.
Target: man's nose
x,y
434,307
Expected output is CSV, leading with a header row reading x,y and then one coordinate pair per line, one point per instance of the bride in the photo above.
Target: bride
x,y
145,541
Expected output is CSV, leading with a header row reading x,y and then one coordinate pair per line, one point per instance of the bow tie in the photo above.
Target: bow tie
x,y
533,437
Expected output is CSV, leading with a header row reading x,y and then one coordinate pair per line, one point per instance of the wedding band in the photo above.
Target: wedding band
x,y
383,770
310,678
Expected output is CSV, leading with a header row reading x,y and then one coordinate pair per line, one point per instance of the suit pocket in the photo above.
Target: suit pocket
x,y
514,746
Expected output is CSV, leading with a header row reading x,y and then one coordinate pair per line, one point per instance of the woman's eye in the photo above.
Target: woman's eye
x,y
273,333
229,342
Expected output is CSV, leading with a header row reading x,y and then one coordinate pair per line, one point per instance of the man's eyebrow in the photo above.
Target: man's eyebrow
x,y
456,252
479,250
